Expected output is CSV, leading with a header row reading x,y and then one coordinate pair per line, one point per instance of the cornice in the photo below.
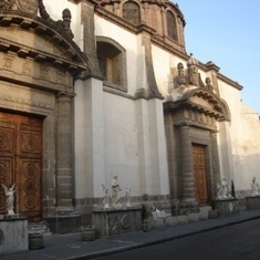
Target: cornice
x,y
116,19
229,81
140,28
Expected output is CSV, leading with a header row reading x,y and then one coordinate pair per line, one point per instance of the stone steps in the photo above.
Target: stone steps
x,y
170,221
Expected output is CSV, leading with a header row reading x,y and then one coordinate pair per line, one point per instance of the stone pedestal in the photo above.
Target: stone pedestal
x,y
253,202
112,222
227,207
63,224
13,235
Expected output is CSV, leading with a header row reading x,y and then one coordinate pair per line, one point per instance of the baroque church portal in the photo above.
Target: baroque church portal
x,y
96,89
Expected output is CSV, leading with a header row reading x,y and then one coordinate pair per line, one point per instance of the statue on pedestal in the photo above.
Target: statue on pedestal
x,y
128,198
115,191
106,197
209,85
193,75
9,199
223,189
181,79
254,187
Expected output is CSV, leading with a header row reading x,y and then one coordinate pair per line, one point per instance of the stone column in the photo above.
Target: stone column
x,y
215,162
64,153
187,165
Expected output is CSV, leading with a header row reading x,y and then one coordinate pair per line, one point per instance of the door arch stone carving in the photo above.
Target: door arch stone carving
x,y
192,119
38,65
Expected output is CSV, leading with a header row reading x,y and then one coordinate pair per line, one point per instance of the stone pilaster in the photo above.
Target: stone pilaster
x,y
215,161
87,18
153,91
64,153
164,21
187,166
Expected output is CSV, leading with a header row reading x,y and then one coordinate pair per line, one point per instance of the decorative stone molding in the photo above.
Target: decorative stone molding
x,y
62,26
152,14
59,50
15,95
27,6
27,70
202,101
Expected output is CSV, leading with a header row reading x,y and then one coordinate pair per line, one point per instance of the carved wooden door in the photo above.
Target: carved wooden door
x,y
200,173
20,163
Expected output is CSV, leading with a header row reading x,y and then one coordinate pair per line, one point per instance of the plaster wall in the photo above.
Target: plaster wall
x,y
152,157
121,150
246,153
240,138
89,139
229,132
122,118
158,147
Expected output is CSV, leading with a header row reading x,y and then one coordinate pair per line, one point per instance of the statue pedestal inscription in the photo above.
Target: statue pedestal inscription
x,y
112,222
227,207
253,202
13,234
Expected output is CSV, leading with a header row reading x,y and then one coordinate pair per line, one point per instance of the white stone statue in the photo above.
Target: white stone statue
x,y
9,199
115,191
128,197
223,189
158,213
254,187
106,197
193,76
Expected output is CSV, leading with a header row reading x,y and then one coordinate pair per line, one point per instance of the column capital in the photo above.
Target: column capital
x,y
66,94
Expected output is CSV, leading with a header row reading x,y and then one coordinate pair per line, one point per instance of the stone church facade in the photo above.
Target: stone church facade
x,y
90,89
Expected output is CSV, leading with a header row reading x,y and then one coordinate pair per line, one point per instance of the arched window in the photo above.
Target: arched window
x,y
131,12
112,62
171,26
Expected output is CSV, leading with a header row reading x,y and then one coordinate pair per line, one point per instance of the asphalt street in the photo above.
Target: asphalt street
x,y
240,241
232,237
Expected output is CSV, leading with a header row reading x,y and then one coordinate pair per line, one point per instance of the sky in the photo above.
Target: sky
x,y
227,32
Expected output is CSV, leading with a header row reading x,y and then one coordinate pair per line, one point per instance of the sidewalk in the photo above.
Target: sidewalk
x,y
70,246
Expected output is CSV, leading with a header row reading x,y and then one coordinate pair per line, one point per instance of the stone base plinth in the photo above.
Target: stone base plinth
x,y
253,202
227,207
13,235
63,224
112,222
187,207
